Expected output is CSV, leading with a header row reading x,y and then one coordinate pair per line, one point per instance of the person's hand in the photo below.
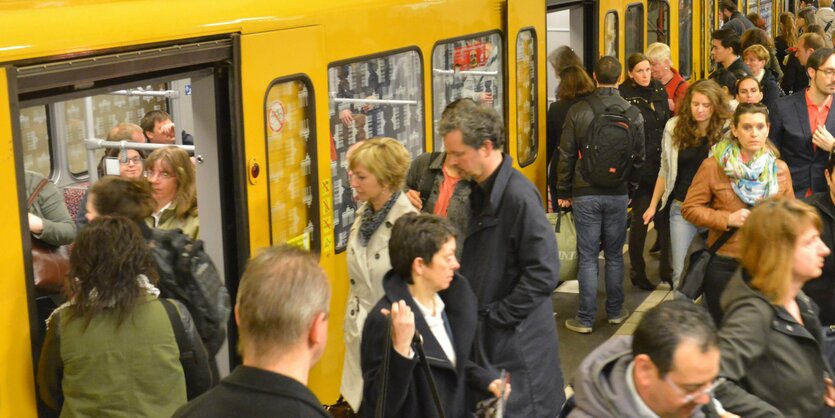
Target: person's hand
x,y
414,199
495,388
737,219
823,139
727,414
648,215
35,224
169,130
564,203
402,327
486,97
347,117
829,392
368,106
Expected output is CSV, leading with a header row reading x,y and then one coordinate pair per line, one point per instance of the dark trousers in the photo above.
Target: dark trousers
x,y
719,273
638,236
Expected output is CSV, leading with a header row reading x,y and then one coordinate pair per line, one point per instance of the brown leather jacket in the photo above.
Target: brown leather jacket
x,y
711,200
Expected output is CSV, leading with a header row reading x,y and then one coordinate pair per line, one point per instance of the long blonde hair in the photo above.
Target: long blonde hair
x,y
767,243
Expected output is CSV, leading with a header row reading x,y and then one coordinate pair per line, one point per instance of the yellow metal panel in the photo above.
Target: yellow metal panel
x,y
264,58
17,386
521,15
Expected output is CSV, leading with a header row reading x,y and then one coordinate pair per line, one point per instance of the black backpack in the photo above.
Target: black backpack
x,y
608,149
187,274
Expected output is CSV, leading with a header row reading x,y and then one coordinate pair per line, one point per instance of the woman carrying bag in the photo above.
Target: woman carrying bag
x,y
423,294
740,171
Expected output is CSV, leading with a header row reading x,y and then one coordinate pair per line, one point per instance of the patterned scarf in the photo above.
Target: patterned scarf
x,y
752,181
372,220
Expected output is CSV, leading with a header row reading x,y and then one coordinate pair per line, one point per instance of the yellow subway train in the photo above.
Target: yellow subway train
x,y
262,87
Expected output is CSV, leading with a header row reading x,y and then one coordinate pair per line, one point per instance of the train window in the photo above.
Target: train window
x,y
766,13
370,97
291,150
526,99
99,114
685,38
634,29
610,34
469,67
35,132
658,21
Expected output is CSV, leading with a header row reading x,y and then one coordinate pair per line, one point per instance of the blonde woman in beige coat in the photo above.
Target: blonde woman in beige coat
x,y
378,171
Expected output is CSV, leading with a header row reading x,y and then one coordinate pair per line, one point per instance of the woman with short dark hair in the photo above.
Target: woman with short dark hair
x,y
423,294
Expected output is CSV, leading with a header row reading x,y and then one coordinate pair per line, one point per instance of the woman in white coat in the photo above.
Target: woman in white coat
x,y
378,169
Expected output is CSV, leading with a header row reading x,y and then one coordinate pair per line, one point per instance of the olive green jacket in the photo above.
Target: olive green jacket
x,y
58,226
168,221
132,369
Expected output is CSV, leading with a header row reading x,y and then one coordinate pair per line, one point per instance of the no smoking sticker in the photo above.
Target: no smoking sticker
x,y
276,116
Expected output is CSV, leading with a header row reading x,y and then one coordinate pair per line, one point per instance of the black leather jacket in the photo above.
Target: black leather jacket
x,y
570,182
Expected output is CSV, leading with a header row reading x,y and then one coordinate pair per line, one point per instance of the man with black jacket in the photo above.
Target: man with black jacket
x,y
724,48
599,212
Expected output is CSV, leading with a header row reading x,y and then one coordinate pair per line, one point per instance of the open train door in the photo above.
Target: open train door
x,y
283,88
526,34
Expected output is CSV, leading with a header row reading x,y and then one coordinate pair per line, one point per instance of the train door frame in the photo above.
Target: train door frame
x,y
42,81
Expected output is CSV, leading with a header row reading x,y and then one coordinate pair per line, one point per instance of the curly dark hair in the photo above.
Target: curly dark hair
x,y
106,259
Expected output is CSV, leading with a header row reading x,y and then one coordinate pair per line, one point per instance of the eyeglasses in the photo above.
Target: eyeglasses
x,y
829,72
158,174
131,161
691,395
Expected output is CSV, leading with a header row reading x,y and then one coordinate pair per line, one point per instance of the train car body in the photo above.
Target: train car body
x,y
260,85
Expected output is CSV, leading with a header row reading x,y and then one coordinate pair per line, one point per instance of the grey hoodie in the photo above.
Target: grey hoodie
x,y
600,386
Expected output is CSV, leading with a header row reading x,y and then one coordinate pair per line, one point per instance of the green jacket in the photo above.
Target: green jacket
x,y
58,227
169,221
132,370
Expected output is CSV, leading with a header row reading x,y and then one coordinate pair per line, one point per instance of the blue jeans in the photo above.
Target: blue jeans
x,y
600,219
681,234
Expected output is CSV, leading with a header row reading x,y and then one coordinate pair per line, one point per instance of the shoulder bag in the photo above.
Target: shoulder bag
x,y
50,264
698,257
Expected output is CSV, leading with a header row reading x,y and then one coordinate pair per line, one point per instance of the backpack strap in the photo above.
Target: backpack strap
x,y
428,179
179,328
380,407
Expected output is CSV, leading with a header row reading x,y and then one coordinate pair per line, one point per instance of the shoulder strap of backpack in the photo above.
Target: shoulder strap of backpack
x,y
176,324
828,25
428,179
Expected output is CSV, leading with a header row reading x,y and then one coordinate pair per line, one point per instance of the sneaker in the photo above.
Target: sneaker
x,y
619,318
575,325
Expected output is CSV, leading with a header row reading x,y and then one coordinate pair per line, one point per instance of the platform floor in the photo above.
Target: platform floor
x,y
573,346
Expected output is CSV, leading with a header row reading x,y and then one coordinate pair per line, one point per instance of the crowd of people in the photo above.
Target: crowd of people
x,y
452,261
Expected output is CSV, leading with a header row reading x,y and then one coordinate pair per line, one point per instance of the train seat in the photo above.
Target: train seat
x,y
73,195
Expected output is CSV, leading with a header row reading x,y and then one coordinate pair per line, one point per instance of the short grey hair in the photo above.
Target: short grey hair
x,y
280,293
477,123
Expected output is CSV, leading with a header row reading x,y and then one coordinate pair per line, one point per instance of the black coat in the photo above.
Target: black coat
x,y
795,76
252,392
771,90
822,290
409,393
772,363
510,258
790,133
652,102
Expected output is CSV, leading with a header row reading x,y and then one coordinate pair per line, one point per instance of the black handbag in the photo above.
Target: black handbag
x,y
692,282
